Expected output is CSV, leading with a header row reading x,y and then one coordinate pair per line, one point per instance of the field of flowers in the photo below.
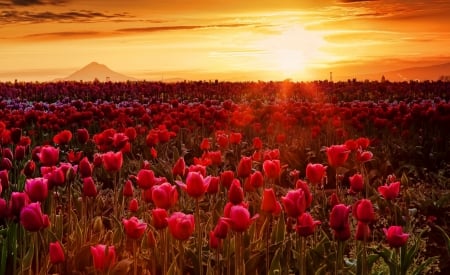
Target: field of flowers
x,y
225,178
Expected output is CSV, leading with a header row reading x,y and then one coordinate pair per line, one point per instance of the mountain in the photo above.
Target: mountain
x,y
95,71
432,72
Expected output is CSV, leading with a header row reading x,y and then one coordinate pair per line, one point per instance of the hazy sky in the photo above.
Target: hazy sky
x,y
233,39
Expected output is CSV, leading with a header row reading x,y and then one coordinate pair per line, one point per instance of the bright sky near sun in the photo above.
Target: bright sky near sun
x,y
221,39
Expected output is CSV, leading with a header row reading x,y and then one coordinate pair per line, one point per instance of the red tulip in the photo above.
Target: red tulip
x,y
315,172
294,203
301,184
85,168
213,186
17,201
133,205
244,168
145,179
16,134
82,135
128,189
104,256
272,168
351,144
339,217
196,185
362,231
89,188
37,189
131,133
363,211
363,142
204,145
48,155
134,228
337,155
32,219
216,157
256,179
214,242
342,234
56,253
160,217
198,168
226,178
164,195
181,226
4,211
363,156
356,183
112,162
222,140
269,203
395,236
28,169
391,191
19,152
179,169
63,137
239,218
55,176
235,138
257,143
236,193
221,228
306,225
119,140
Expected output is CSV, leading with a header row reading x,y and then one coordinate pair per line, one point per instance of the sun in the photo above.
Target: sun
x,y
291,51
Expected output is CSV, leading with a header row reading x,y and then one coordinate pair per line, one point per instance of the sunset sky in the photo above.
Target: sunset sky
x,y
41,40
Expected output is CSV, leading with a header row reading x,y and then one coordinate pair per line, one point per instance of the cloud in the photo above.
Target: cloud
x,y
182,27
355,1
84,16
37,2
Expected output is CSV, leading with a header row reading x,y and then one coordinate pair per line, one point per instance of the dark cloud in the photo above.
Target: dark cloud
x,y
174,28
85,16
37,2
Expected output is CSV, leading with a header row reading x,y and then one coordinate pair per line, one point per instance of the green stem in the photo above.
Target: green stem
x,y
267,236
302,262
340,258
36,255
181,248
135,251
199,236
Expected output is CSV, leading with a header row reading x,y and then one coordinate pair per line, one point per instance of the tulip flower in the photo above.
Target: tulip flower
x,y
306,225
391,191
239,218
181,226
257,143
134,228
272,168
37,189
236,193
82,135
89,188
48,156
363,211
362,231
221,228
204,145
164,195
85,168
200,168
17,201
196,185
214,242
337,155
128,189
269,203
363,142
395,236
19,153
28,169
179,169
294,203
216,157
104,256
32,219
356,183
315,172
363,156
244,168
226,178
213,186
159,218
256,179
56,253
145,179
133,205
63,137
112,162
300,184
235,138
55,176
4,211
339,217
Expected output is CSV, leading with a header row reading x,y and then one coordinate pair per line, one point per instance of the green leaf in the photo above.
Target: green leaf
x,y
122,267
275,266
419,270
446,237
386,254
27,260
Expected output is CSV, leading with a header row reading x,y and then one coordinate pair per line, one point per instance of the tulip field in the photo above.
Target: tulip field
x,y
225,178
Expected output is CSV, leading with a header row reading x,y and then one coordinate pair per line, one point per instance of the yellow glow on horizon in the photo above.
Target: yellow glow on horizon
x,y
292,51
